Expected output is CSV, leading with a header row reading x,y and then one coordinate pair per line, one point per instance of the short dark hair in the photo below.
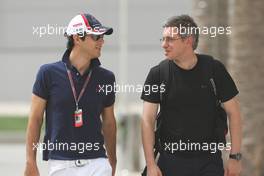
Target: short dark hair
x,y
187,22
70,42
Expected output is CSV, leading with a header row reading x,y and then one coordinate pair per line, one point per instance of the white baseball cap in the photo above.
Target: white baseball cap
x,y
86,23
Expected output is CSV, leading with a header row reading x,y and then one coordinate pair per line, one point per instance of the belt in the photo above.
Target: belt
x,y
81,163
56,165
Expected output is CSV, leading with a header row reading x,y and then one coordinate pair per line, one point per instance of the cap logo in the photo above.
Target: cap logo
x,y
76,25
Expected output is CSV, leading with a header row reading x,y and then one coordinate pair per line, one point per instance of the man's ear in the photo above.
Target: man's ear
x,y
190,40
76,39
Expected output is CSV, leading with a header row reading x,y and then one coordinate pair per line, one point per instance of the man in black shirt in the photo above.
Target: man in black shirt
x,y
189,145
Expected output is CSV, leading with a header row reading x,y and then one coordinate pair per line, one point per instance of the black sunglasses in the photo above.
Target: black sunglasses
x,y
96,37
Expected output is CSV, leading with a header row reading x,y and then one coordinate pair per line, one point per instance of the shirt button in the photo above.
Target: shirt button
x,y
77,74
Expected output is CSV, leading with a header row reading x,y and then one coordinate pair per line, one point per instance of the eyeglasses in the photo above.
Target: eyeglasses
x,y
96,37
169,39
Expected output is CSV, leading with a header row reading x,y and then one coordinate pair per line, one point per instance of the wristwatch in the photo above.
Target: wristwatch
x,y
236,156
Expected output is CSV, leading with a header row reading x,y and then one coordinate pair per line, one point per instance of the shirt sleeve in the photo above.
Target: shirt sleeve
x,y
225,86
110,91
40,87
151,88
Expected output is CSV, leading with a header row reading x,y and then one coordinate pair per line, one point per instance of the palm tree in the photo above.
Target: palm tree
x,y
246,64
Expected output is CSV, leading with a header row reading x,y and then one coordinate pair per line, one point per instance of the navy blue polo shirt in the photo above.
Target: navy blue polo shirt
x,y
63,141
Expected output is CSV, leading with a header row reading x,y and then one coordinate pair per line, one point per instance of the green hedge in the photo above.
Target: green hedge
x,y
13,123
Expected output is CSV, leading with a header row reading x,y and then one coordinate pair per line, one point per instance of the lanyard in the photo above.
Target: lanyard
x,y
73,88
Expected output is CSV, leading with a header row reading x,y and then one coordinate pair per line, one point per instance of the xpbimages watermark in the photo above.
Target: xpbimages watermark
x,y
48,29
212,31
129,88
212,147
80,147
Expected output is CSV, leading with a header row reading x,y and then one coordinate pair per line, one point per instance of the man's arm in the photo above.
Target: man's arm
x,y
148,136
109,132
233,111
33,132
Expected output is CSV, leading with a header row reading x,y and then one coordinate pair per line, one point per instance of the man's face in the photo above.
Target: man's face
x,y
174,46
92,45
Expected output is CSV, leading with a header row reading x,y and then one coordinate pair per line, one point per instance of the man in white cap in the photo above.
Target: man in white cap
x,y
80,126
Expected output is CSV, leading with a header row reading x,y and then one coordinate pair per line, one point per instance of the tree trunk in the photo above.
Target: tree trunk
x,y
246,64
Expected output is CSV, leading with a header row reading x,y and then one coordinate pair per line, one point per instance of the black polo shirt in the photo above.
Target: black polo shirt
x,y
190,109
62,140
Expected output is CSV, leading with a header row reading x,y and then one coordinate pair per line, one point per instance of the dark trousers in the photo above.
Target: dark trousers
x,y
171,165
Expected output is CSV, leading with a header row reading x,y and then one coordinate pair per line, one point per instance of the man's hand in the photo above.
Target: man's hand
x,y
233,168
113,165
153,170
31,169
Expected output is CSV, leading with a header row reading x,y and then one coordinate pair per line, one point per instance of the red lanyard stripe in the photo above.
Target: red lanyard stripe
x,y
85,85
73,87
